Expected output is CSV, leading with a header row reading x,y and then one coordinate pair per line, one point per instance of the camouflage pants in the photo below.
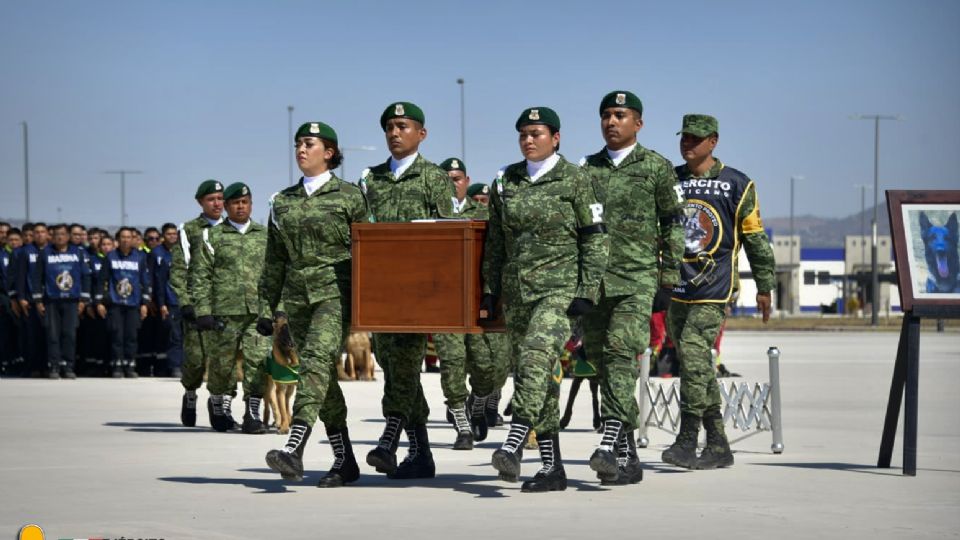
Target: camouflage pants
x,y
694,328
614,334
537,331
318,331
400,356
238,339
479,355
194,361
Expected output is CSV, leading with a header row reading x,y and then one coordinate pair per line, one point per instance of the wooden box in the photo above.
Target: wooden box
x,y
421,277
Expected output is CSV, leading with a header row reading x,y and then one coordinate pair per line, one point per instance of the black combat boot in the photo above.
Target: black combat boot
x,y
506,459
188,408
717,452
551,476
491,410
221,418
604,458
683,451
252,423
629,470
345,469
419,461
129,369
117,372
478,419
384,456
288,461
462,425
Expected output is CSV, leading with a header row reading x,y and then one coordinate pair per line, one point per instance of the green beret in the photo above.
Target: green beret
x,y
402,109
477,189
454,164
699,125
621,98
235,191
538,115
316,129
207,187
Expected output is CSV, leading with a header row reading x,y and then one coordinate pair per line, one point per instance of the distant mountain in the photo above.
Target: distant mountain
x,y
828,232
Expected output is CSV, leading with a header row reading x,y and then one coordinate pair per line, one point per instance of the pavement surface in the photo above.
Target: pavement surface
x,y
102,458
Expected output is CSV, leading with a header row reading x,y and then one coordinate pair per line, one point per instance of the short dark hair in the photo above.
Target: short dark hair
x,y
27,226
77,226
4,224
167,226
39,224
149,230
14,231
58,226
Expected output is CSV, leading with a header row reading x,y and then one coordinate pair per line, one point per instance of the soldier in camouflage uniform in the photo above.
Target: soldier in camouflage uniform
x,y
308,269
223,288
404,188
722,213
642,206
545,254
482,355
210,198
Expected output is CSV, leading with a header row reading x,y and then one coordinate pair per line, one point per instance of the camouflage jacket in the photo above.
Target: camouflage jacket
x,y
308,245
642,206
473,210
183,252
423,191
545,237
227,268
722,214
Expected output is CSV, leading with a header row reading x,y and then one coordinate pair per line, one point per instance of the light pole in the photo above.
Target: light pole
x,y
343,156
874,278
793,296
289,138
463,125
863,218
26,172
123,191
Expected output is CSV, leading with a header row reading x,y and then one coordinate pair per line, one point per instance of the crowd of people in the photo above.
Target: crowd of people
x,y
585,245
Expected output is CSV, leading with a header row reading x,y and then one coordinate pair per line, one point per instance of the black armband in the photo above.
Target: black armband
x,y
596,228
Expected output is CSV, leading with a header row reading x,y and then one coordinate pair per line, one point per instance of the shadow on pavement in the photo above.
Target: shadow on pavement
x,y
850,467
154,427
261,485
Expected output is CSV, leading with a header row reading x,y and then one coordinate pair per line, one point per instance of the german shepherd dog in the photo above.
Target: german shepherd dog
x,y
279,393
940,249
358,362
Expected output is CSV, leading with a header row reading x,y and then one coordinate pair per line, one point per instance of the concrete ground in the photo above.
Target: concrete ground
x,y
108,458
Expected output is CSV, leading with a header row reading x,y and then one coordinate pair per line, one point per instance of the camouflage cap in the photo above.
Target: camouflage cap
x,y
454,164
538,115
621,98
235,191
402,109
699,125
316,129
207,187
478,189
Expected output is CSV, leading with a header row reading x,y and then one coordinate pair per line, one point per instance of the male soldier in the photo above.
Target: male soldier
x,y
722,213
223,287
642,206
404,188
482,355
61,290
148,341
34,343
167,300
9,349
124,286
480,193
210,198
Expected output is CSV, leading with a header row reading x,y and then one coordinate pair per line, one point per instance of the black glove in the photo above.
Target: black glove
x,y
489,304
579,306
207,322
188,314
264,326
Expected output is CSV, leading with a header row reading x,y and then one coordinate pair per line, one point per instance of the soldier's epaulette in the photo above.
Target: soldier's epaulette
x,y
292,190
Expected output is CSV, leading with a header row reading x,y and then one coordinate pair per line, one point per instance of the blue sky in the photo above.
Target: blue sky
x,y
188,90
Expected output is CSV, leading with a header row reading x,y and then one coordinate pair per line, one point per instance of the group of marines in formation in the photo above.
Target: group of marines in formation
x,y
587,244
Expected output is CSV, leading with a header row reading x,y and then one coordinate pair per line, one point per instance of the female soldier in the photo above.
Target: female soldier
x,y
546,251
307,266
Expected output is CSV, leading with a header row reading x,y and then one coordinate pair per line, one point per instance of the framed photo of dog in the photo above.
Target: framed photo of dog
x,y
925,240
